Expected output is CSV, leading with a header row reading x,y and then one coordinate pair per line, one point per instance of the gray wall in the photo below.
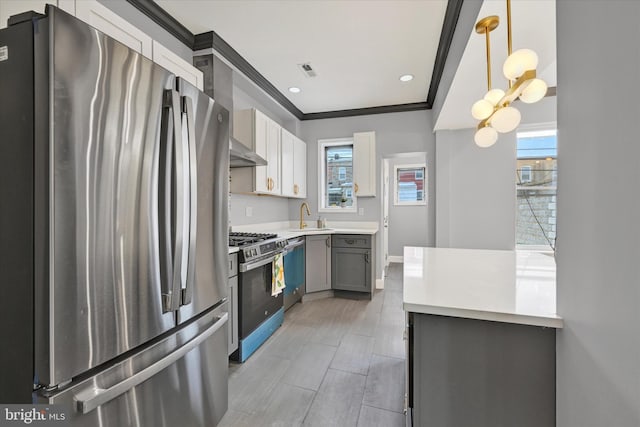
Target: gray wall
x,y
475,191
598,351
408,132
265,209
407,224
475,187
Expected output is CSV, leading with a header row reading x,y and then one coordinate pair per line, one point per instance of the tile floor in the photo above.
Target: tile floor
x,y
334,362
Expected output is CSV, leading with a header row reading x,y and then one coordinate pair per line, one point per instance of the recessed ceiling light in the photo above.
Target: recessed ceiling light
x,y
294,89
406,78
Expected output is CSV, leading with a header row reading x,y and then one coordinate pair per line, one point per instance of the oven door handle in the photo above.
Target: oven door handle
x,y
246,266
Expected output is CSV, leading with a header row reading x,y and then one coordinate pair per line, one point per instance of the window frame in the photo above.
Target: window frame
x,y
396,198
529,170
322,175
530,131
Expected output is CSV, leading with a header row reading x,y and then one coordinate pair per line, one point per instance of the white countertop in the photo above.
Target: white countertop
x,y
502,286
290,229
233,249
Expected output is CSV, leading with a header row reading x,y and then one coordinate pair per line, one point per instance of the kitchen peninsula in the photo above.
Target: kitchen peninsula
x,y
481,336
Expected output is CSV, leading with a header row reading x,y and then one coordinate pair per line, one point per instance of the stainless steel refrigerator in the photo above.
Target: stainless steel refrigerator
x,y
113,231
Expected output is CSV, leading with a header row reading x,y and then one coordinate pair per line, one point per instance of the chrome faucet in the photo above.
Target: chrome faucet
x,y
302,206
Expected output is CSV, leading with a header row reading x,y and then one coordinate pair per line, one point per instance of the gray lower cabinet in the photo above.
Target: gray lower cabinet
x,y
318,263
468,372
351,262
233,303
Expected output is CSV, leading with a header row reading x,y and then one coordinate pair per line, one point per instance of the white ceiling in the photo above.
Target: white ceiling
x,y
359,48
533,27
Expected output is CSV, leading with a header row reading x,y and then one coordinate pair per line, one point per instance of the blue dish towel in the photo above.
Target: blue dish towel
x,y
277,276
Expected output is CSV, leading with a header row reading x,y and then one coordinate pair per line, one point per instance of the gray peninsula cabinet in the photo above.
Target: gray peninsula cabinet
x,y
352,263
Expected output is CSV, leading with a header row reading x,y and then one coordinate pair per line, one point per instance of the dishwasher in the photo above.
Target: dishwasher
x,y
294,272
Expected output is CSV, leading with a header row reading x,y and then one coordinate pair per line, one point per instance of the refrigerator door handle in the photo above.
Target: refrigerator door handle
x,y
180,197
169,201
187,291
89,399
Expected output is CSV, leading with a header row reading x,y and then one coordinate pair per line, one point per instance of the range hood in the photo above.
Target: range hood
x,y
240,156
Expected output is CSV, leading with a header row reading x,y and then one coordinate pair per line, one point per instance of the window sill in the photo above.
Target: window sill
x,y
339,210
410,204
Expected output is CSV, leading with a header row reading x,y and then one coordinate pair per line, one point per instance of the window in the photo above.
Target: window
x,y
536,184
336,180
342,173
410,186
525,174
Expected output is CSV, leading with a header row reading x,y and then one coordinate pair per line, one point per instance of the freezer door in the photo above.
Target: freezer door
x,y
180,381
205,128
102,292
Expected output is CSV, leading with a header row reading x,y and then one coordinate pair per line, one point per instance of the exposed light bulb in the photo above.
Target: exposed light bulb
x,y
485,137
506,119
494,96
518,62
481,109
534,92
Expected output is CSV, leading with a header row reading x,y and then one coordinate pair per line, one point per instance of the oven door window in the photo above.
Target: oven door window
x,y
256,302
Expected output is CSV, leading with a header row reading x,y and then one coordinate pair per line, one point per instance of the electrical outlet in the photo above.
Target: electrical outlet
x,y
361,211
248,211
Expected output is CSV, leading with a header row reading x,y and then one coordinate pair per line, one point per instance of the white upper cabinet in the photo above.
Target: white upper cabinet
x,y
14,7
105,20
364,163
294,166
287,164
273,157
262,135
299,168
178,66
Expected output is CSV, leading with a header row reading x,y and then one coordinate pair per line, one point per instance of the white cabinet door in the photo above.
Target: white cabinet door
x,y
103,19
261,134
364,163
273,157
293,166
178,66
299,168
288,164
318,263
259,138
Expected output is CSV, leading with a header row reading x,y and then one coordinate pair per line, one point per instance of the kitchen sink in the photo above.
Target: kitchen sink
x,y
312,230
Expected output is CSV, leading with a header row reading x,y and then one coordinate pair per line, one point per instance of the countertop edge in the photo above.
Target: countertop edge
x,y
521,319
296,233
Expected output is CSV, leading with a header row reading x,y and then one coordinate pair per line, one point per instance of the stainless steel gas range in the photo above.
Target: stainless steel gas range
x,y
259,313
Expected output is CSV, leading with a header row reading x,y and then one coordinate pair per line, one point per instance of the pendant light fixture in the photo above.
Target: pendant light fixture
x,y
495,112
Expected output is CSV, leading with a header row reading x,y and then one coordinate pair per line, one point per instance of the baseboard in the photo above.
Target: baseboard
x,y
395,258
317,295
380,283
